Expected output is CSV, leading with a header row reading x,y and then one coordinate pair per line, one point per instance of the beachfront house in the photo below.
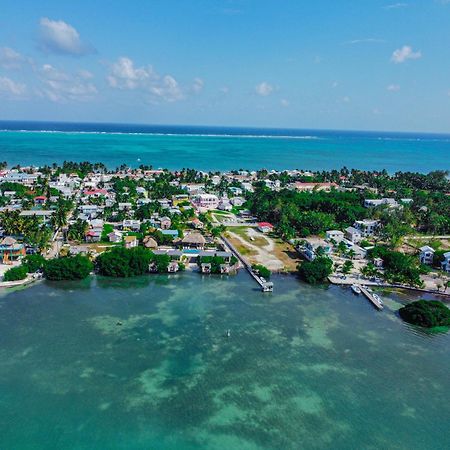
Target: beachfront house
x,y
193,240
11,250
446,263
374,203
426,255
314,247
265,227
353,235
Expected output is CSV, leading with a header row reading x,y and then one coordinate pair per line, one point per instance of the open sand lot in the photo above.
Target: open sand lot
x,y
260,248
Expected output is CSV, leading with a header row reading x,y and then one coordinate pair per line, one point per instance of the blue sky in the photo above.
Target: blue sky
x,y
369,65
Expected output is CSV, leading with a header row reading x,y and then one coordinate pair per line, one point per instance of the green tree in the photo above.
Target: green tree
x,y
33,263
316,271
123,262
68,268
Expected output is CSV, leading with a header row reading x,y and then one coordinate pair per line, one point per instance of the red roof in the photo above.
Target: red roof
x,y
40,197
265,225
96,191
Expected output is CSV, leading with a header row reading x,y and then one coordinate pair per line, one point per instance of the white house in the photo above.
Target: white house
x,y
446,263
335,235
131,241
353,235
131,224
367,227
426,254
373,203
115,236
206,201
314,247
265,227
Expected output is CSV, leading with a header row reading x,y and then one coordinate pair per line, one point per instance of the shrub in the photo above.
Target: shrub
x,y
15,273
427,314
316,271
33,263
262,270
68,268
123,262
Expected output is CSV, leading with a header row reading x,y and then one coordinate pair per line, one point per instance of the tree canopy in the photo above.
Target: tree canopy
x,y
426,314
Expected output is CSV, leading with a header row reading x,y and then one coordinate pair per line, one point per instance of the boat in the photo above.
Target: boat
x,y
356,289
228,333
378,298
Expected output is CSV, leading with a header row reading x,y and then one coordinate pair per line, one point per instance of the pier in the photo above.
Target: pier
x,y
266,286
371,298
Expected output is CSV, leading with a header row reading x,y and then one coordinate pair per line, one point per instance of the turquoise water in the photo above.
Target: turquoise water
x,y
222,149
304,368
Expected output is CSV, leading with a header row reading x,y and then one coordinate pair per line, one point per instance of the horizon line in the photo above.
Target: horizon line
x,y
236,127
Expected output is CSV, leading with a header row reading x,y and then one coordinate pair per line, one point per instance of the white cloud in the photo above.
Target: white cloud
x,y
10,88
59,86
10,59
284,102
57,36
125,75
198,85
403,54
346,99
366,41
264,89
393,87
396,6
335,84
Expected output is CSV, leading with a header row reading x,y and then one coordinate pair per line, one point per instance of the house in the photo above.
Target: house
x,y
93,235
206,201
165,223
378,263
131,224
353,235
125,206
131,241
446,263
309,187
173,267
373,203
40,200
206,267
197,223
426,254
265,227
367,227
11,250
115,236
193,240
225,205
314,247
237,201
173,233
334,235
96,193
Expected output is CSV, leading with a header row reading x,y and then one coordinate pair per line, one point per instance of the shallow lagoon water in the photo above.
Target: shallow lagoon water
x,y
144,363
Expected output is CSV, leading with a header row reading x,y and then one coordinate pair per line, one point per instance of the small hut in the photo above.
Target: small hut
x,y
193,240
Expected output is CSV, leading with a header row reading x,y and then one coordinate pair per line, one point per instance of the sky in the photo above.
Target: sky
x,y
347,64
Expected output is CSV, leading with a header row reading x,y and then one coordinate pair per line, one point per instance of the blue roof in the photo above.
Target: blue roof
x,y
170,232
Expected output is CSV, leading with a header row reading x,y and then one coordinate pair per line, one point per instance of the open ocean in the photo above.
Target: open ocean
x,y
219,148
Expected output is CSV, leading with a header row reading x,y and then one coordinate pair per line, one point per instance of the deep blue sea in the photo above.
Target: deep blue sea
x,y
220,148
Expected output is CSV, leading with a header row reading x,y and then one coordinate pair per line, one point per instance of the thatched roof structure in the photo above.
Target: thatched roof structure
x,y
194,239
149,242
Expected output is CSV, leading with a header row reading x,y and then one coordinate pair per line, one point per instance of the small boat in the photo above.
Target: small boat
x,y
228,333
377,298
356,289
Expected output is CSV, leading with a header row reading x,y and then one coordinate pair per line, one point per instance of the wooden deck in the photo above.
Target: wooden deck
x,y
371,298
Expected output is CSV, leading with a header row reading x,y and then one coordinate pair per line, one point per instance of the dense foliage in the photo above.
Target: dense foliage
x,y
68,268
316,271
15,273
427,314
215,261
123,262
398,267
33,263
306,213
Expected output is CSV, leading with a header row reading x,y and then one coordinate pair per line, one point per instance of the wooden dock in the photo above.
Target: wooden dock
x,y
371,298
266,286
